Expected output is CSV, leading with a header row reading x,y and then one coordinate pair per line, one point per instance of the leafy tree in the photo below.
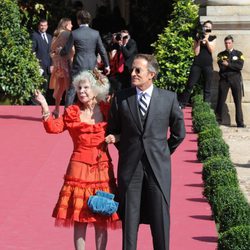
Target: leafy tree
x,y
173,49
33,10
19,68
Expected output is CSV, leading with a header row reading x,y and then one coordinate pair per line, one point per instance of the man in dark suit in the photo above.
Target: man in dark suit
x,y
87,43
230,62
41,42
140,117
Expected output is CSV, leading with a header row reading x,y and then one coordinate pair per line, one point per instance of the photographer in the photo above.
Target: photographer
x,y
204,45
125,48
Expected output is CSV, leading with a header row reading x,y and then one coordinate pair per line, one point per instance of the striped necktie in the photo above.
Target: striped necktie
x,y
143,104
44,37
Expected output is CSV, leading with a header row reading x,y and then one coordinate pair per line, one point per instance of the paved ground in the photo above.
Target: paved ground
x,y
238,140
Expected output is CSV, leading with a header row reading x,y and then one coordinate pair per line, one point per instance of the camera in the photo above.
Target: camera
x,y
201,33
118,37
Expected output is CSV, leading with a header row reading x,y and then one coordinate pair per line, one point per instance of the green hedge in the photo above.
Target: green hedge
x,y
199,106
230,207
212,147
19,68
197,99
208,133
219,178
236,238
204,120
215,164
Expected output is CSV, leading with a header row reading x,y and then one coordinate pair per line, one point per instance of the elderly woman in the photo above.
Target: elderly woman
x,y
90,168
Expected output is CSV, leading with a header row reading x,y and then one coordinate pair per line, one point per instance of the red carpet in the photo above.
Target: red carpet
x,y
32,167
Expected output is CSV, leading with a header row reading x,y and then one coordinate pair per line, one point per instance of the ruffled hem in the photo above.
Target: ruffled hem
x,y
114,223
80,183
74,182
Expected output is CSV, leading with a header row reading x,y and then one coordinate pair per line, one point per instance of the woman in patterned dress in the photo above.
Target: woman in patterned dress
x,y
60,77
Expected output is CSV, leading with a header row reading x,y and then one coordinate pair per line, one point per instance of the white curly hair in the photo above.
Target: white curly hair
x,y
98,82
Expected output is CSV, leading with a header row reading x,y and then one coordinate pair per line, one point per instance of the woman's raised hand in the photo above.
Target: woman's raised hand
x,y
39,97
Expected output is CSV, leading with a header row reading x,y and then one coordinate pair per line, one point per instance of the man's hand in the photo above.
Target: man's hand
x,y
225,63
106,71
51,68
111,139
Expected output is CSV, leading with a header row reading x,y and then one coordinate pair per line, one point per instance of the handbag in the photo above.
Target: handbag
x,y
103,203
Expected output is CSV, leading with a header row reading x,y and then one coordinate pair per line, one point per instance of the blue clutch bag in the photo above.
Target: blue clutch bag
x,y
103,203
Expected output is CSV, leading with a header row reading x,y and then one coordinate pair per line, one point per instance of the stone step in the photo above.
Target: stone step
x,y
227,10
228,117
223,22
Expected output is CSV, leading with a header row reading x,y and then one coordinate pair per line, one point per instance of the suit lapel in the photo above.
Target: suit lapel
x,y
152,107
132,103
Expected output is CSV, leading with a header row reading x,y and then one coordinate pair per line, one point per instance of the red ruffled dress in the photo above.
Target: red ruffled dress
x,y
90,168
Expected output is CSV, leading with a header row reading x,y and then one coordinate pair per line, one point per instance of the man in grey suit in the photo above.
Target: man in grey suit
x,y
139,121
88,44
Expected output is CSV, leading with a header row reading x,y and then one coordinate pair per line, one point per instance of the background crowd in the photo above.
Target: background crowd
x,y
63,56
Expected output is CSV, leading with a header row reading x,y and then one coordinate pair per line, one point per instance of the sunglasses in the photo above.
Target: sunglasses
x,y
125,37
137,70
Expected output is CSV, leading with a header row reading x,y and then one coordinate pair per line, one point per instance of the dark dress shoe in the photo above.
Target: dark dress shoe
x,y
241,126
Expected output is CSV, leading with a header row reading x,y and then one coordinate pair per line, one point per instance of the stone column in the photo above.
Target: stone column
x,y
230,17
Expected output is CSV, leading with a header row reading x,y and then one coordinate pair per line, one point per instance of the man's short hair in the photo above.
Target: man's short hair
x,y
208,21
42,20
83,17
229,37
124,31
153,65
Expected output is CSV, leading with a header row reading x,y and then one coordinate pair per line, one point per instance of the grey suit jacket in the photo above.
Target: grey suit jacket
x,y
164,114
87,43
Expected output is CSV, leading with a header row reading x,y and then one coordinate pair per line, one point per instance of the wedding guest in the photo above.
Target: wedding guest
x,y
90,167
41,42
60,77
88,44
141,116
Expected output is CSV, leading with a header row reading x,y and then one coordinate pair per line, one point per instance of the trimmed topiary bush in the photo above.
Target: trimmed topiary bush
x,y
236,238
211,132
173,49
203,120
196,99
200,108
230,207
215,164
212,147
19,68
219,178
